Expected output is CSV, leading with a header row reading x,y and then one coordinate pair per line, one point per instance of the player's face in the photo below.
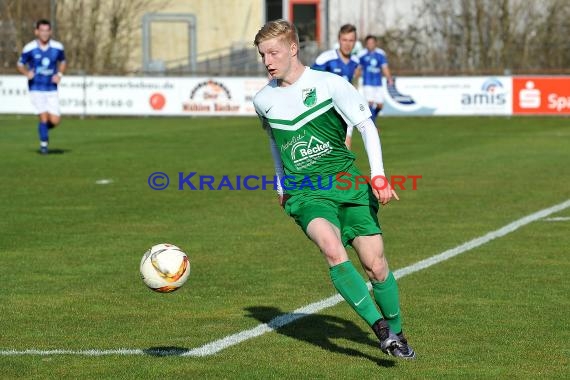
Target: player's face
x,y
277,56
370,44
346,43
43,32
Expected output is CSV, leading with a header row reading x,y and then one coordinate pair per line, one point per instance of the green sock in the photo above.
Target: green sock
x,y
351,286
387,298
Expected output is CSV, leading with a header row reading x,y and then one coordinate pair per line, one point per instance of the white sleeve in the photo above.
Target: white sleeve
x,y
276,161
349,103
349,130
372,145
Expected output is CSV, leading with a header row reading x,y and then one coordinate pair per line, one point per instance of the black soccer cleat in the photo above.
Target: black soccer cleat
x,y
390,343
403,349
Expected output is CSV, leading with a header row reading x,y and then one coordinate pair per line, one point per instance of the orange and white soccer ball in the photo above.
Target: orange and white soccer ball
x,y
165,268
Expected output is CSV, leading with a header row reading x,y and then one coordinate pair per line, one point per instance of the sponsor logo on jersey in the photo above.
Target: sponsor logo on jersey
x,y
309,96
304,154
293,140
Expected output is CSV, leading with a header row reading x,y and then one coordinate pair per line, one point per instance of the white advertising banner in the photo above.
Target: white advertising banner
x,y
226,96
219,96
166,96
116,95
449,96
14,96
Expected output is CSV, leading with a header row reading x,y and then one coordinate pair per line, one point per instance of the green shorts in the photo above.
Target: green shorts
x,y
353,211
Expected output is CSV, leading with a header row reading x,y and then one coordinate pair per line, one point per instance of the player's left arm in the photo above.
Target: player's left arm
x,y
349,103
350,128
381,187
61,67
356,76
387,74
59,74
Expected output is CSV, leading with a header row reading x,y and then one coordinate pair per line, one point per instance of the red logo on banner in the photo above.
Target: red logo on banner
x,y
157,101
541,95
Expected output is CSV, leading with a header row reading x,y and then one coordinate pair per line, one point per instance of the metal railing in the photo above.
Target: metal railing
x,y
230,61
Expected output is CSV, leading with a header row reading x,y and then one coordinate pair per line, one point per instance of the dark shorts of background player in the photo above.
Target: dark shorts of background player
x,y
353,211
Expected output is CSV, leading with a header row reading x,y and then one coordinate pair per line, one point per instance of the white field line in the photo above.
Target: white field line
x,y
282,320
558,219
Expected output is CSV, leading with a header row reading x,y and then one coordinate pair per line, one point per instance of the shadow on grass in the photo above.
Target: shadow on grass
x,y
320,330
166,351
55,151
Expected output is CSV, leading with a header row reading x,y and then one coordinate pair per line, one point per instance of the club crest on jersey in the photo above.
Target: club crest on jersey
x,y
310,96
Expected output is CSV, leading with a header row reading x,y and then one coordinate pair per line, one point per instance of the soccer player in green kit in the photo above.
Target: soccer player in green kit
x,y
305,113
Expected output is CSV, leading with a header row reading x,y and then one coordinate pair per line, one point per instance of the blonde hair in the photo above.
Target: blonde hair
x,y
277,28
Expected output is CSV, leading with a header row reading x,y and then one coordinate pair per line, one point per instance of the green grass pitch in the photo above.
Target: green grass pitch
x,y
70,251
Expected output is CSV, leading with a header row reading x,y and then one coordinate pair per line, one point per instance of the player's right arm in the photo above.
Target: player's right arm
x,y
320,67
277,162
275,153
24,71
322,61
23,62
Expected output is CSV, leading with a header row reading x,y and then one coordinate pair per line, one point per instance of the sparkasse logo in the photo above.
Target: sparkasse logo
x,y
542,95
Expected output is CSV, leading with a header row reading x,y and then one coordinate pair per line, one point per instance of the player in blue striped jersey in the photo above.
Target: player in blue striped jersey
x,y
341,61
43,63
374,63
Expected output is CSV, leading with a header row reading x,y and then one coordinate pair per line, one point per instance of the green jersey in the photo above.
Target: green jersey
x,y
308,122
